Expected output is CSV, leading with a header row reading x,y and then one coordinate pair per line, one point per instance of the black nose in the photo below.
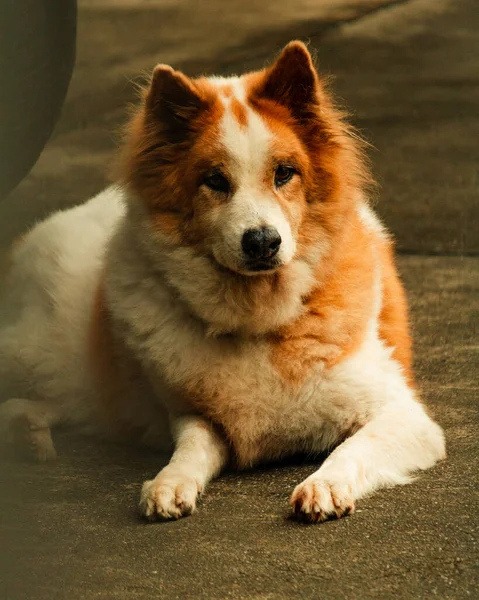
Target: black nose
x,y
261,243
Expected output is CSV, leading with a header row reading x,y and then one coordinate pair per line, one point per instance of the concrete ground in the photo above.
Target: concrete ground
x,y
408,71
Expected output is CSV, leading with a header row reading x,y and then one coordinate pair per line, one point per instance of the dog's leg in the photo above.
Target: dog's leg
x,y
25,426
200,454
399,440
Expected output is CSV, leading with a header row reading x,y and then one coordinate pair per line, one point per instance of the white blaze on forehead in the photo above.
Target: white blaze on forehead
x,y
247,144
230,83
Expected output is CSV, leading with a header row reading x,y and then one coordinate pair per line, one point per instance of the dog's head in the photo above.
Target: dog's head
x,y
250,172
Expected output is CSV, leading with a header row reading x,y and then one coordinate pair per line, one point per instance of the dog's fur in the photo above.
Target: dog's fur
x,y
137,312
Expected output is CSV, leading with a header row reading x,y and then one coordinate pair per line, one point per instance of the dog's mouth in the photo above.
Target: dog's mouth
x,y
261,265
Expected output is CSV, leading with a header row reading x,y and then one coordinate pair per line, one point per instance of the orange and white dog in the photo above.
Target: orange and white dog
x,y
235,290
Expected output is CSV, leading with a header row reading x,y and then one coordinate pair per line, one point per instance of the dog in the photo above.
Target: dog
x,y
233,293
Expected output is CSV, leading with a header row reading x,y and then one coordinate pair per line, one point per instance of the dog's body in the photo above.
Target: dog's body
x,y
252,315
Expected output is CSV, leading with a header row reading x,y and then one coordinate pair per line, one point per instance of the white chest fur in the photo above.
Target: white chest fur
x,y
229,378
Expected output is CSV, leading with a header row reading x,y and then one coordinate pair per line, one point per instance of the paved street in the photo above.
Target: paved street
x,y
408,71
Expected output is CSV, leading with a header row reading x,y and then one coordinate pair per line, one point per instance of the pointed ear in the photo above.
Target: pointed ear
x,y
292,81
173,98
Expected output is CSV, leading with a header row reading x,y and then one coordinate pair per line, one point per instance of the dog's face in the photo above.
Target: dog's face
x,y
243,170
249,195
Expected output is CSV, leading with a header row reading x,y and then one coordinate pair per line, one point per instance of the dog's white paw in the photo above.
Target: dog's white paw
x,y
170,495
318,499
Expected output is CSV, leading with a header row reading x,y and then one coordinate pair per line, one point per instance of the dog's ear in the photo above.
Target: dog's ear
x,y
173,99
292,81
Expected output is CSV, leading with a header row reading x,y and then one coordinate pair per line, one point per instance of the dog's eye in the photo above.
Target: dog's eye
x,y
217,182
282,175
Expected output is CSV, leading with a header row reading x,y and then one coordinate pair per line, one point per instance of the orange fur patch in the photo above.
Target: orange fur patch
x,y
226,90
393,320
166,173
336,313
239,112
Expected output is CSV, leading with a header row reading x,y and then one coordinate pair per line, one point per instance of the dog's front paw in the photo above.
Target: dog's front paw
x,y
169,496
317,499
